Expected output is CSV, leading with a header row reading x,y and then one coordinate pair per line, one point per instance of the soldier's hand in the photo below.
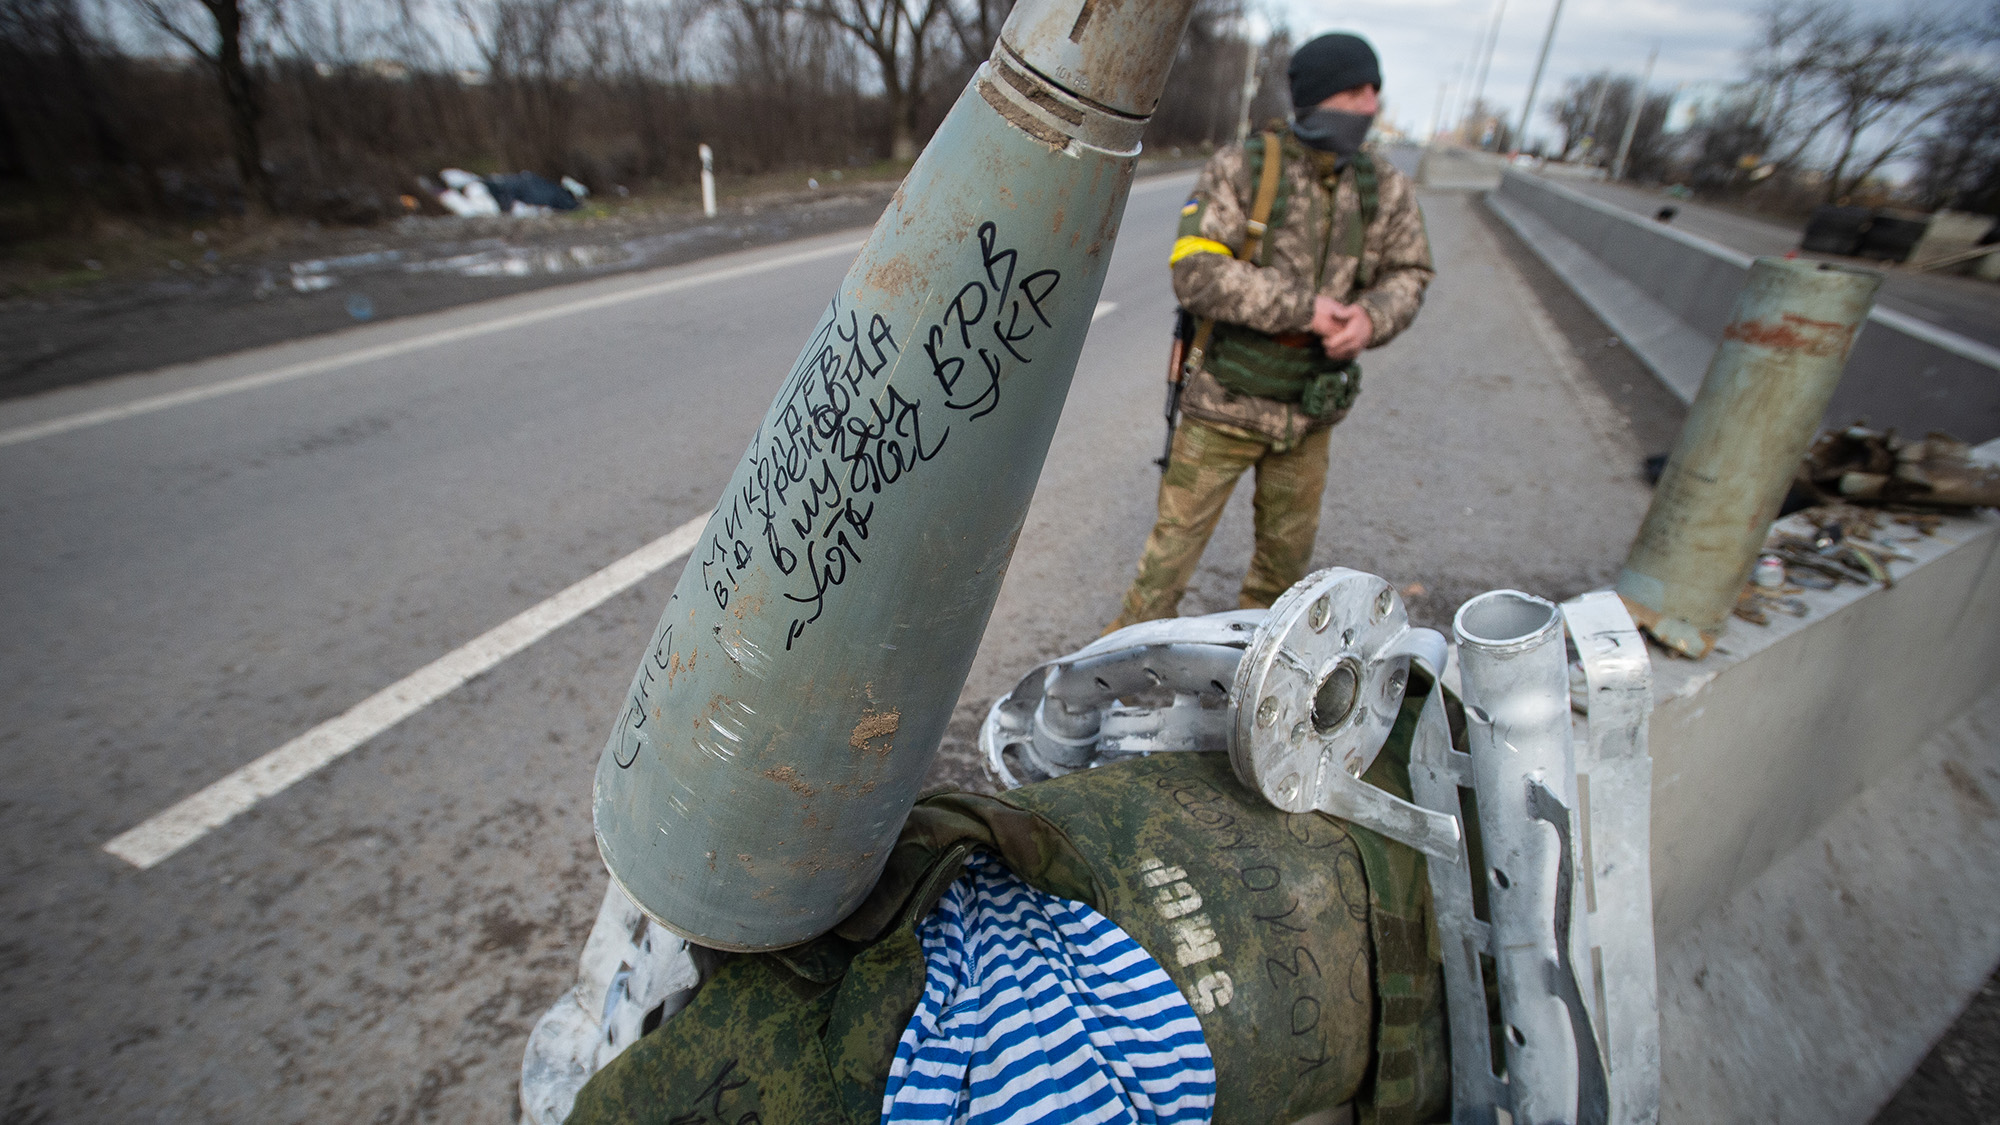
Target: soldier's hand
x,y
1350,335
1328,316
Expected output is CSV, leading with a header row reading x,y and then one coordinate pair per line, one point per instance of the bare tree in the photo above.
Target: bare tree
x,y
654,52
1958,160
1603,102
52,59
532,51
1203,96
1958,164
1273,99
1856,90
220,47
1485,126
898,35
1728,148
975,25
333,108
1583,108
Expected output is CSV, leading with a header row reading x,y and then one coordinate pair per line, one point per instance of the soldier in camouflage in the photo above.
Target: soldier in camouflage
x,y
1341,267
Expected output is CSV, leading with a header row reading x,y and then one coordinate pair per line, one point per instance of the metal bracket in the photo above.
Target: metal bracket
x,y
1151,688
1615,788
1315,697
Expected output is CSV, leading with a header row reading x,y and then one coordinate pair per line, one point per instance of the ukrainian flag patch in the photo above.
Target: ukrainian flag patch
x,y
1191,206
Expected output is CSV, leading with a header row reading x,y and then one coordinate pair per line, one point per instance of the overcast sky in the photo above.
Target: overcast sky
x,y
1427,42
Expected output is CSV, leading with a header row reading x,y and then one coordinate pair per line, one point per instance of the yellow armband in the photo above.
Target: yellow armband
x,y
1191,245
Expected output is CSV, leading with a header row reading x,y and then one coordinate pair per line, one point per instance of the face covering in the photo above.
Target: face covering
x,y
1332,130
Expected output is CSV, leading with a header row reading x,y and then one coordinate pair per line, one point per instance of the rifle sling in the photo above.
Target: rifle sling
x,y
1253,239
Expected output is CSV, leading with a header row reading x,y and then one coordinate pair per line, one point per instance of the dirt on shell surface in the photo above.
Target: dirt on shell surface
x,y
874,725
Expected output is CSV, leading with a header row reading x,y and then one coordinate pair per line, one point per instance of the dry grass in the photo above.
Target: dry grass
x,y
102,248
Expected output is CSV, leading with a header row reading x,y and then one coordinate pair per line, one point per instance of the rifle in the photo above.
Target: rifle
x,y
1177,358
1191,336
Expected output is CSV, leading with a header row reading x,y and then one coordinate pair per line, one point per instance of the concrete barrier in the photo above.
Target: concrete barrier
x,y
1668,294
1826,823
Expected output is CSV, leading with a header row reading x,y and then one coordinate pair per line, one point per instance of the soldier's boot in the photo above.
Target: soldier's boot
x,y
1289,487
1201,471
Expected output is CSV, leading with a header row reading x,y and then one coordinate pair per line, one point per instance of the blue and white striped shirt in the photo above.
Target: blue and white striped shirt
x,y
1038,1009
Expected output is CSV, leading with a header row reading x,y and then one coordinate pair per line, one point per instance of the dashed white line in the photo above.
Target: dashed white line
x,y
214,806
154,403
196,816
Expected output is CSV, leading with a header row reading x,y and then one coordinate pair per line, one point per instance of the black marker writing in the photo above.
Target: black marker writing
x,y
841,435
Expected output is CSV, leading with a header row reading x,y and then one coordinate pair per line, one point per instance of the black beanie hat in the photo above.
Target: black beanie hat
x,y
1330,64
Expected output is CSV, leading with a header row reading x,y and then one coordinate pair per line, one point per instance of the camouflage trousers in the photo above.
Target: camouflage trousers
x,y
1201,473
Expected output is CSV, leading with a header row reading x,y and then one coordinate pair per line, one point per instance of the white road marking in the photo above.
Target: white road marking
x,y
216,805
286,374
210,808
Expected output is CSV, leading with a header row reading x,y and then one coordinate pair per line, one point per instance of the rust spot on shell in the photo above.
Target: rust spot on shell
x,y
790,779
893,277
1794,333
873,725
678,665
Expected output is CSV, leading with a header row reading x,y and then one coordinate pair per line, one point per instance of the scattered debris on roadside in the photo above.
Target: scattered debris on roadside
x,y
520,195
1756,606
1863,466
1845,543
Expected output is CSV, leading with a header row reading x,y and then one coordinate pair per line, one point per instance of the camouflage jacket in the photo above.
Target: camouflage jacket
x,y
1307,239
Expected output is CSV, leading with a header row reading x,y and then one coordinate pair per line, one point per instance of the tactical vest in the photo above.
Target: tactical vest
x,y
1249,362
1305,945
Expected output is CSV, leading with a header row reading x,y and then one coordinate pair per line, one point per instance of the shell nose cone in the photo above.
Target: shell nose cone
x,y
1114,53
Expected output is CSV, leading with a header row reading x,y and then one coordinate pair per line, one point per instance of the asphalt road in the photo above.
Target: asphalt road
x,y
187,588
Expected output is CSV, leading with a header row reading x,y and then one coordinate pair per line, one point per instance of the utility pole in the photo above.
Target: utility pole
x,y
1460,83
1535,83
1596,113
1251,50
1437,111
1632,118
1486,58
